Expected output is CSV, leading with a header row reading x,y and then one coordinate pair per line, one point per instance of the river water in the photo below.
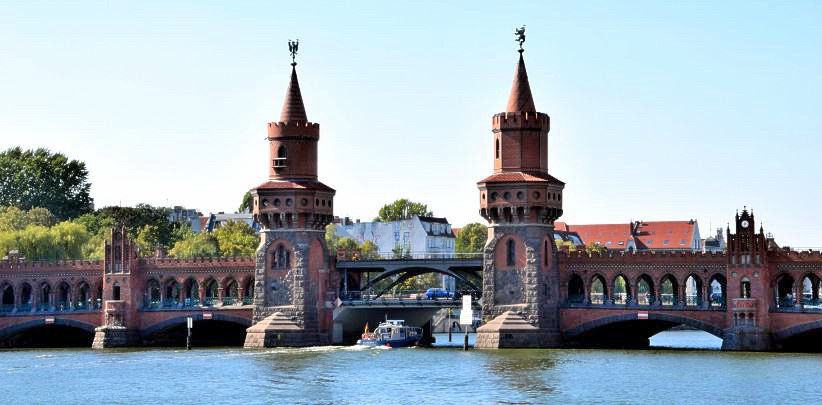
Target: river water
x,y
356,375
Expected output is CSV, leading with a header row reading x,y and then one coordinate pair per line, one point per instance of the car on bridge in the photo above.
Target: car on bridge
x,y
434,293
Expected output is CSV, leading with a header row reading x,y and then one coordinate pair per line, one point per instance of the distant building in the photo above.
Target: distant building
x,y
714,243
419,236
185,215
214,221
639,235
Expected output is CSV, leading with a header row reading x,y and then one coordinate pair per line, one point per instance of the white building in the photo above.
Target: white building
x,y
422,237
185,215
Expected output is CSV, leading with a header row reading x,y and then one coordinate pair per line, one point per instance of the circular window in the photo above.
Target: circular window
x,y
304,202
520,195
536,195
276,202
506,196
265,203
494,196
288,202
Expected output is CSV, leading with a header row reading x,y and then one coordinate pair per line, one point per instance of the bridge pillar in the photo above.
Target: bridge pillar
x,y
746,338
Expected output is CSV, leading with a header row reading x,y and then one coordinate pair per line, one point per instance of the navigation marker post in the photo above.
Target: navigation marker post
x,y
466,317
189,325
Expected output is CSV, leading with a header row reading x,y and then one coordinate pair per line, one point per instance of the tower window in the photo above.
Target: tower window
x,y
282,156
497,149
512,254
745,288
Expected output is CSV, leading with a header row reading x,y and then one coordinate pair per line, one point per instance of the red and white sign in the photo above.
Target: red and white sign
x,y
641,315
207,315
49,321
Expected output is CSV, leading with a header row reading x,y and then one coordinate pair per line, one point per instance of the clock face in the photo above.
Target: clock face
x,y
744,223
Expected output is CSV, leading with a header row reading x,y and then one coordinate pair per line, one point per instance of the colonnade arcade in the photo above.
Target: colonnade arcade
x,y
644,290
192,292
45,296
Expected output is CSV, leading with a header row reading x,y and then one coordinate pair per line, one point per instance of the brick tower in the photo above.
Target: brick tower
x,y
122,288
293,208
748,293
520,201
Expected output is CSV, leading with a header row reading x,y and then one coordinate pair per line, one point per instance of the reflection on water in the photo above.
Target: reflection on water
x,y
355,375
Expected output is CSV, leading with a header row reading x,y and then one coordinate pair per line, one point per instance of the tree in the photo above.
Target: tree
x,y
595,248
148,240
402,209
331,237
70,238
236,238
472,238
15,219
369,251
40,178
245,206
36,242
347,243
196,245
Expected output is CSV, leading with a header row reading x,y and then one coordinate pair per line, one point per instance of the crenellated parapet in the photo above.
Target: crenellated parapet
x,y
302,129
51,266
520,120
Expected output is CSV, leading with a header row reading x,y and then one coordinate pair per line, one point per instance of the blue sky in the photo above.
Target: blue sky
x,y
659,110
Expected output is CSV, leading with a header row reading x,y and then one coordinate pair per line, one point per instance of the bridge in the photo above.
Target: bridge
x,y
368,289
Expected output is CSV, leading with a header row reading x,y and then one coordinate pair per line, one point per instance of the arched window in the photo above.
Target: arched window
x,y
153,294
211,292
115,291
282,257
810,291
7,299
282,152
622,290
248,292
63,297
669,291
511,253
192,293
545,253
45,297
693,291
231,294
26,297
82,299
717,291
645,290
172,294
576,290
497,149
745,288
282,156
784,291
598,291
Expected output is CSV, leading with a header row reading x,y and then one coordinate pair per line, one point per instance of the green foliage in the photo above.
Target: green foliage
x,y
331,237
400,253
236,238
36,242
472,238
196,245
148,240
15,219
402,209
567,246
245,206
40,178
368,250
595,248
420,283
347,243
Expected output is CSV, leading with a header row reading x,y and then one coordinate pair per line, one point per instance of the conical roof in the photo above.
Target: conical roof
x,y
520,99
293,108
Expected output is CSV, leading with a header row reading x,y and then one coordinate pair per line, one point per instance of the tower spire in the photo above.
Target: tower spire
x,y
293,107
520,99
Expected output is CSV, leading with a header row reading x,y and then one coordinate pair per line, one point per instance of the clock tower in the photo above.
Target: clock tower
x,y
747,292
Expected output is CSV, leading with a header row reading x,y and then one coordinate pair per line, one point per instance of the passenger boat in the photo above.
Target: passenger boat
x,y
391,333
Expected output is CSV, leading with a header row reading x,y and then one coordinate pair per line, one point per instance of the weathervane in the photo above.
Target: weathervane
x,y
520,33
292,47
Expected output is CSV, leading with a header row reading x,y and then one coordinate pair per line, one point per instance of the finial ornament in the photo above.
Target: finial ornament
x,y
292,47
520,33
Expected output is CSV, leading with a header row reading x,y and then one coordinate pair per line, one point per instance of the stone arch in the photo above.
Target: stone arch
x,y
509,247
801,328
153,293
692,290
231,291
745,287
181,320
669,290
645,290
191,292
22,326
576,289
82,295
26,292
211,289
63,296
248,290
7,298
717,290
670,319
280,254
411,271
44,294
785,290
811,290
621,289
598,290
172,292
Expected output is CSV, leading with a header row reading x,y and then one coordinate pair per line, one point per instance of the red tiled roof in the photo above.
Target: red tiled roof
x,y
520,177
617,234
456,230
653,235
299,185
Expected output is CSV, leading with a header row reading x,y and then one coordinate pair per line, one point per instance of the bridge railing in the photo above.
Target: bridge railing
x,y
355,254
405,295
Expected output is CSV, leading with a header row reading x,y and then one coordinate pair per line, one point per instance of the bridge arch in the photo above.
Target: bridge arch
x,y
655,323
576,289
407,272
59,333
218,329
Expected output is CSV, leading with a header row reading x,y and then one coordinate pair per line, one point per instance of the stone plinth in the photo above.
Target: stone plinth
x,y
109,336
746,338
511,330
278,330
